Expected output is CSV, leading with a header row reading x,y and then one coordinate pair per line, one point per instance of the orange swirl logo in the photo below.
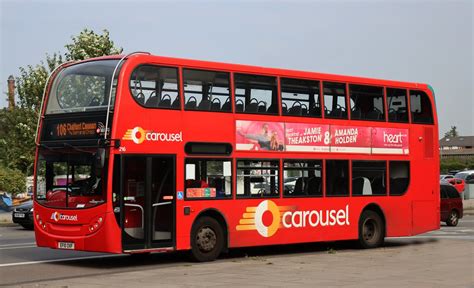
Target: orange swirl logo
x,y
137,135
55,216
257,218
267,218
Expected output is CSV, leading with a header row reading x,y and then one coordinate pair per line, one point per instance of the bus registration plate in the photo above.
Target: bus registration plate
x,y
66,245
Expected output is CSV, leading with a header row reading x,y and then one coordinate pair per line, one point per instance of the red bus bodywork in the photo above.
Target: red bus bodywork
x,y
415,212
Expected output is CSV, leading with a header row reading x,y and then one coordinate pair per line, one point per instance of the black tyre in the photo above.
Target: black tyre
x,y
207,239
371,230
453,219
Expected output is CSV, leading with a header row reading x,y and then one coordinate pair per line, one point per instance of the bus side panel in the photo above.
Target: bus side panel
x,y
397,216
424,217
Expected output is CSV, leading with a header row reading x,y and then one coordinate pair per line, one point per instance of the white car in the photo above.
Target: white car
x,y
445,177
467,176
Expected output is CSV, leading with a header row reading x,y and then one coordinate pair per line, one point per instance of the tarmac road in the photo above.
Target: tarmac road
x,y
439,258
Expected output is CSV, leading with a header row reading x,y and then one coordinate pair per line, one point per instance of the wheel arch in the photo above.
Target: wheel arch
x,y
220,218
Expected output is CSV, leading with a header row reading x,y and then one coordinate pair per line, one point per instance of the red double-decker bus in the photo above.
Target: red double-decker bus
x,y
164,154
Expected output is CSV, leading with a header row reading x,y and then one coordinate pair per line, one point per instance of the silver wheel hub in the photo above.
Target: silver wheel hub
x,y
206,239
454,217
369,230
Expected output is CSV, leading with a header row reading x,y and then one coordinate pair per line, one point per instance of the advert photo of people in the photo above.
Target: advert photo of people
x,y
256,135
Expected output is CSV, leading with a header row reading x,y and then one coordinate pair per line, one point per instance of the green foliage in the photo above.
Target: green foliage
x,y
88,44
30,84
12,180
449,164
17,141
453,132
18,126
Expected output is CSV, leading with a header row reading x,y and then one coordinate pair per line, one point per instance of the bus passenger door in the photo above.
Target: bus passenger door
x,y
147,202
161,209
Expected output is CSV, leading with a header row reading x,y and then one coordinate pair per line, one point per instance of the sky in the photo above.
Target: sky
x,y
415,41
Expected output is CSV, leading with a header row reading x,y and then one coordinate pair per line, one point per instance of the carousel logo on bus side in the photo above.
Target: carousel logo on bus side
x,y
56,216
267,218
138,135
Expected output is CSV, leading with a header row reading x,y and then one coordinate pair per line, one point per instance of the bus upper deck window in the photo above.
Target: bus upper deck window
x,y
367,103
256,94
397,105
421,110
155,87
300,97
206,90
335,100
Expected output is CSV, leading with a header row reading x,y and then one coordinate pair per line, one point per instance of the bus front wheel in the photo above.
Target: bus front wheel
x,y
371,229
207,239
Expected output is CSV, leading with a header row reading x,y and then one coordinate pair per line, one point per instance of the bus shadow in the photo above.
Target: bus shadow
x,y
157,260
319,247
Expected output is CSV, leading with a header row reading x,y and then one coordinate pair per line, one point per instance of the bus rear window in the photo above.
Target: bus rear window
x,y
421,110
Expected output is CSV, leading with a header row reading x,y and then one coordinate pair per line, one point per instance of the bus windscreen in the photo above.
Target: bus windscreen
x,y
67,179
82,87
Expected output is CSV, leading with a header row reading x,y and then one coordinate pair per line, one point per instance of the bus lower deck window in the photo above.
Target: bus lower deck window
x,y
257,178
208,178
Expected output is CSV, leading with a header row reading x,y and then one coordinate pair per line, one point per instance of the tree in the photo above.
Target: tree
x,y
453,132
89,44
12,180
18,126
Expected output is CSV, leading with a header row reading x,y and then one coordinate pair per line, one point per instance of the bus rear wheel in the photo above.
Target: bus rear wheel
x,y
371,229
207,239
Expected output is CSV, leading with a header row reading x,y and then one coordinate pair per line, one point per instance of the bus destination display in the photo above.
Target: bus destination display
x,y
72,130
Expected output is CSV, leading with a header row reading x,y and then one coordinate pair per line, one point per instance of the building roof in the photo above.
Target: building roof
x,y
460,141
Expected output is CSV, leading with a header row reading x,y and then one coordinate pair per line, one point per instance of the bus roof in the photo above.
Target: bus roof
x,y
192,63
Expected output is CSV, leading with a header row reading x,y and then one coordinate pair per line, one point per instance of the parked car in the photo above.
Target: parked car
x,y
23,215
467,176
451,205
445,177
457,183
